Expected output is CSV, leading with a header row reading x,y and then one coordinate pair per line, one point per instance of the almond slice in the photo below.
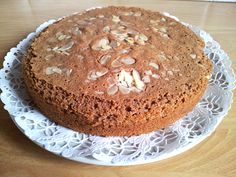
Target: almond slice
x,y
106,29
156,76
121,75
124,51
104,59
127,13
163,29
102,44
128,79
99,92
124,90
112,90
61,37
102,72
101,16
146,79
115,63
154,65
115,19
138,82
161,56
52,70
67,46
163,19
49,56
193,55
137,14
92,75
111,81
141,38
128,60
170,73
148,72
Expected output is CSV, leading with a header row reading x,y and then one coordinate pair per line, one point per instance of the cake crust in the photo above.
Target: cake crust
x,y
116,71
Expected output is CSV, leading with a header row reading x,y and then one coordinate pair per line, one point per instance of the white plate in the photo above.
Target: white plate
x,y
162,144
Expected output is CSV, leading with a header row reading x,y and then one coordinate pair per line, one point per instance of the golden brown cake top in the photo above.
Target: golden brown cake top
x,y
119,52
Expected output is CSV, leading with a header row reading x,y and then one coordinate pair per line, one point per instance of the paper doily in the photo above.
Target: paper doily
x,y
162,144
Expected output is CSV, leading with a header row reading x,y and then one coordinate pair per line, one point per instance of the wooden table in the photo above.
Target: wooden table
x,y
215,157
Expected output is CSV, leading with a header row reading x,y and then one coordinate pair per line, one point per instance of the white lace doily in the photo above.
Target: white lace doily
x,y
179,137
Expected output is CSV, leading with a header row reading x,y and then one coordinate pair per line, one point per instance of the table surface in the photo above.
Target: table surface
x,y
216,156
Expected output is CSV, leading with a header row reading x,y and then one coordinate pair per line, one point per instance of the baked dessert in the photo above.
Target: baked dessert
x,y
116,71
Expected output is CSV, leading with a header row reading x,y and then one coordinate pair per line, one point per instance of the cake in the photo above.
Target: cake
x,y
116,71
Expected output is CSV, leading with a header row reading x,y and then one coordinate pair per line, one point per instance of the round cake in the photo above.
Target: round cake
x,y
116,71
